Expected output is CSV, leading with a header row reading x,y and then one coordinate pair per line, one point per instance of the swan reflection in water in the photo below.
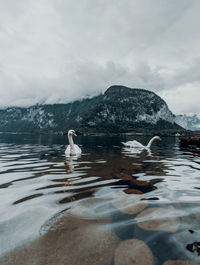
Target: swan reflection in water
x,y
69,165
134,152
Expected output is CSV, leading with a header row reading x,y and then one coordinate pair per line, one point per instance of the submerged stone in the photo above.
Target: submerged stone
x,y
129,204
133,252
70,241
158,219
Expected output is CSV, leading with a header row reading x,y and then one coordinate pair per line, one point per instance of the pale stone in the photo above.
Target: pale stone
x,y
133,252
158,219
129,204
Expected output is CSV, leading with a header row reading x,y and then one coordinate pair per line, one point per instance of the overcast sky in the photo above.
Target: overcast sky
x,y
61,50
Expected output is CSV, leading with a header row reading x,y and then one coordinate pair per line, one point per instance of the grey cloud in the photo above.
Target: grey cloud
x,y
58,51
190,73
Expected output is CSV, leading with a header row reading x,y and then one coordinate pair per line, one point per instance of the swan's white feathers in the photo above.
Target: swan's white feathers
x,y
72,149
134,144
75,151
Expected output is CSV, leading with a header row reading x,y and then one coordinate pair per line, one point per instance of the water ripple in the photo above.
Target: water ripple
x,y
148,196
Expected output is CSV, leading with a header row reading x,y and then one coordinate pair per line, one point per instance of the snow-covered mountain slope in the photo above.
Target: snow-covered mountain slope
x,y
123,108
189,122
119,109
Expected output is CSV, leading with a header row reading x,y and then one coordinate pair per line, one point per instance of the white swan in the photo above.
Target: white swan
x,y
136,144
72,149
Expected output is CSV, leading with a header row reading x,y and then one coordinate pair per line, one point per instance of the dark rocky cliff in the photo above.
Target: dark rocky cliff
x,y
119,109
126,109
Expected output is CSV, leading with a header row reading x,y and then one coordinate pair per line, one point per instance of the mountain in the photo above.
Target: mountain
x,y
119,109
189,122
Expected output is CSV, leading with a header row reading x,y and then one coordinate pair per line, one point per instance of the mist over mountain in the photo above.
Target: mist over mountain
x,y
119,109
189,122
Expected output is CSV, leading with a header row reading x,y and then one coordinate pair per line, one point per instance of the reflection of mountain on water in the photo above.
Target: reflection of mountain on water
x,y
113,171
101,165
83,178
106,203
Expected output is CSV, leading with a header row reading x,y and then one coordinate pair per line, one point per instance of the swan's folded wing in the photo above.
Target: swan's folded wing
x,y
77,149
67,151
128,144
133,144
125,144
136,144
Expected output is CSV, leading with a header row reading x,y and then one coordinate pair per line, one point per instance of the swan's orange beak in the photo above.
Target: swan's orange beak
x,y
75,134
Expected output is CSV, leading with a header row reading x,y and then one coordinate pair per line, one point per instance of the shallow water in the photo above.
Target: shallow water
x,y
151,197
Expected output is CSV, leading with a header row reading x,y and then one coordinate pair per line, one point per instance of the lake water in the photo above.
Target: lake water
x,y
109,206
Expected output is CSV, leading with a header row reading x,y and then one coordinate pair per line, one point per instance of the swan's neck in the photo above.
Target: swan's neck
x,y
71,143
150,142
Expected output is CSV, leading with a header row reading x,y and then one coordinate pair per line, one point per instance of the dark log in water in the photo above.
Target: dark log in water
x,y
190,141
132,191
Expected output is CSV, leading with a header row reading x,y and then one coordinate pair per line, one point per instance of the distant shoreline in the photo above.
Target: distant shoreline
x,y
81,133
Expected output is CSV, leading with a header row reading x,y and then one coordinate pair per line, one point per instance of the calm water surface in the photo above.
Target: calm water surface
x,y
122,197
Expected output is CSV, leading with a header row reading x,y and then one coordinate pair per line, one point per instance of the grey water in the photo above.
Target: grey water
x,y
149,196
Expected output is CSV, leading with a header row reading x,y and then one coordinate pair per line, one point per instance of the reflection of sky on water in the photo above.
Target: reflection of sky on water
x,y
107,182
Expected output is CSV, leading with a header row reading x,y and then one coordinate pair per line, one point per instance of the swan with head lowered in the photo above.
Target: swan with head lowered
x,y
72,149
136,144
